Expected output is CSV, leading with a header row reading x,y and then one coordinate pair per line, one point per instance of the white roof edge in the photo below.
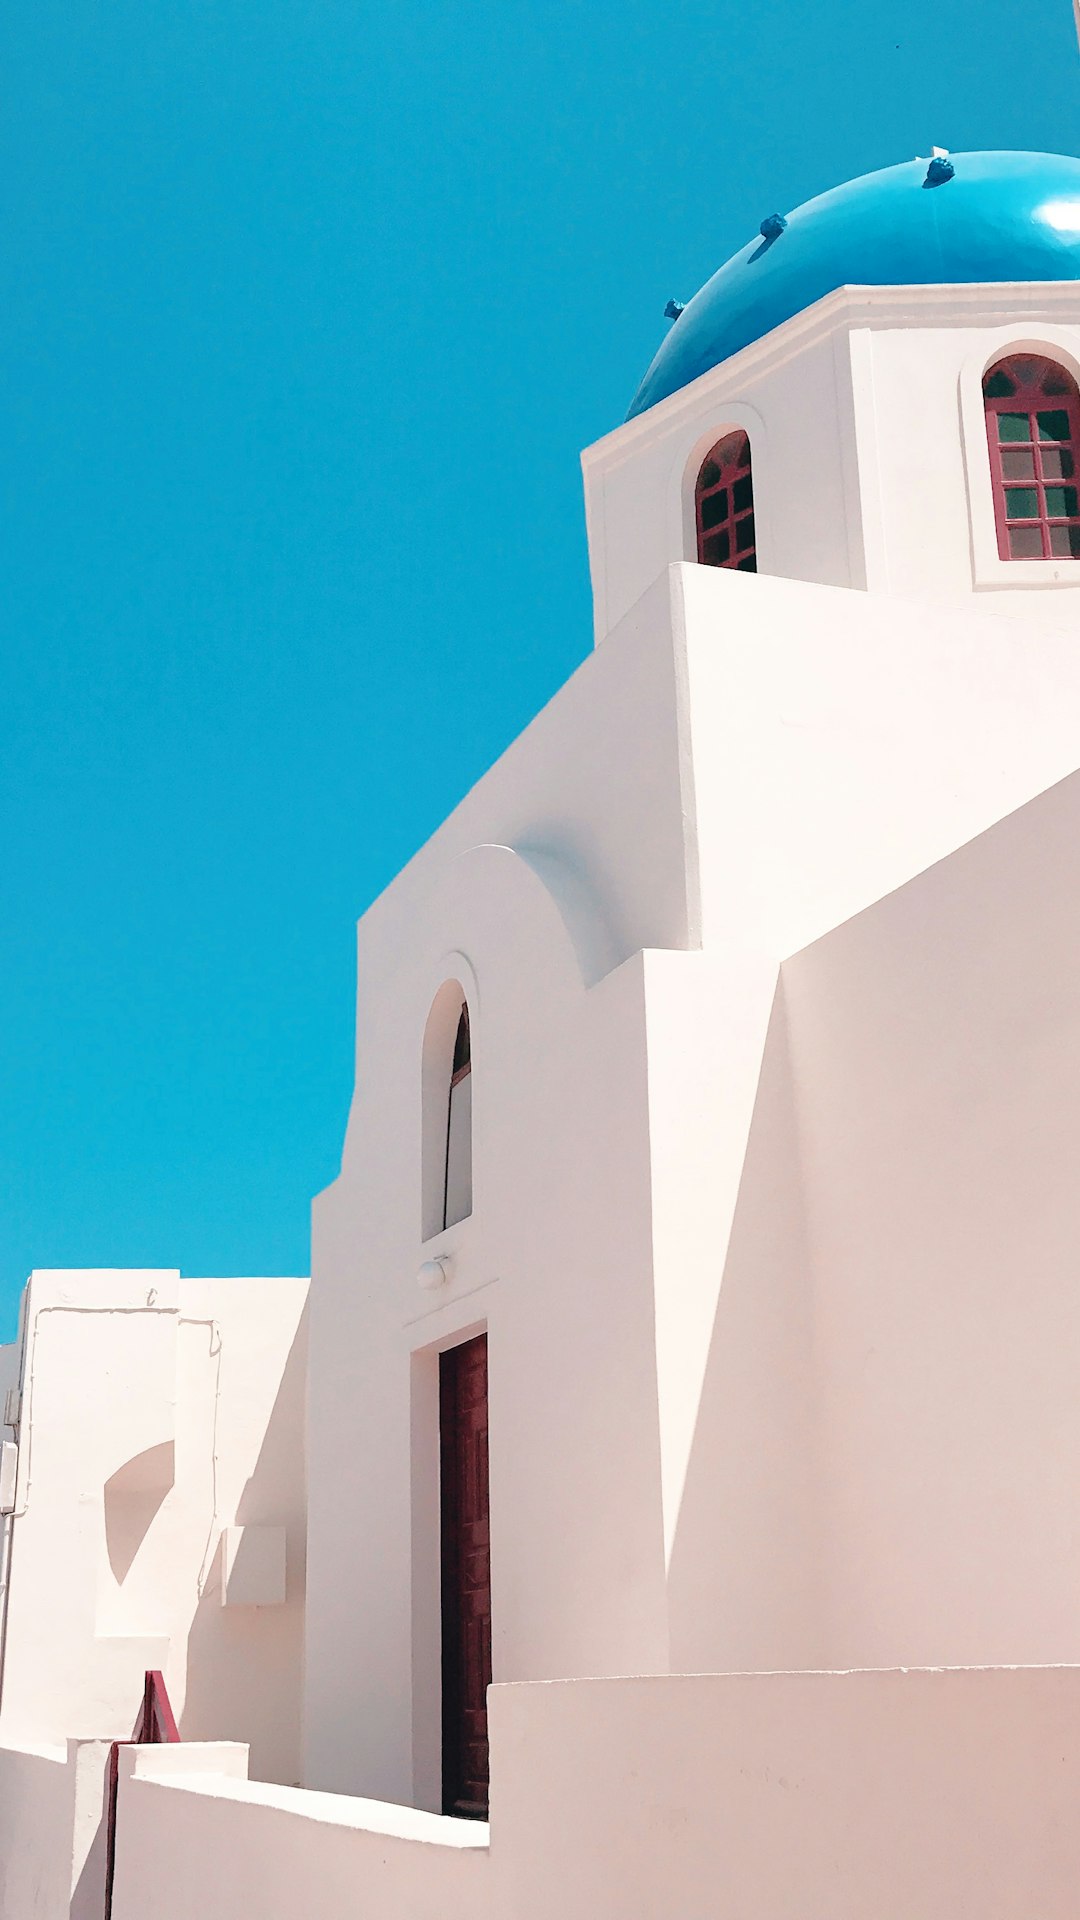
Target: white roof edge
x,y
852,305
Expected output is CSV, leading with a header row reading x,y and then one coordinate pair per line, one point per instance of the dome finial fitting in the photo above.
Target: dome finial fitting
x,y
772,226
939,171
674,308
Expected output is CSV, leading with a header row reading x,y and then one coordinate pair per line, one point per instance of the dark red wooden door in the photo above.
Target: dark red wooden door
x,y
466,1577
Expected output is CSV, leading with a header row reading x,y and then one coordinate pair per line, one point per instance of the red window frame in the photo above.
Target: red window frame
x,y
1032,411
724,506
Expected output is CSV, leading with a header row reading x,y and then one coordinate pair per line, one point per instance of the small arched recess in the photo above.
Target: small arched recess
x,y
446,1098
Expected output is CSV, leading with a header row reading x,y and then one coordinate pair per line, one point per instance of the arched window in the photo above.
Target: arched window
x,y
724,506
446,1112
457,1186
1032,412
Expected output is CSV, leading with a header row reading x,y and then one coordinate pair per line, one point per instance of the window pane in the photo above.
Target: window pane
x,y
1065,541
997,385
1027,371
742,494
1054,426
1014,426
716,550
1055,380
714,508
1057,464
709,475
734,451
459,1153
744,533
1018,463
1021,503
462,1043
1025,543
1061,502
749,565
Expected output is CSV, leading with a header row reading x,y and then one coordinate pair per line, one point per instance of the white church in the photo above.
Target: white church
x,y
663,1501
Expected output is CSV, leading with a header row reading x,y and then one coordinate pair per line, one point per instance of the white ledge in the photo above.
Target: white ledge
x,y
336,1810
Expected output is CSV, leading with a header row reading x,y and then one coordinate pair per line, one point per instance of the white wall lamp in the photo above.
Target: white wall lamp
x,y
434,1273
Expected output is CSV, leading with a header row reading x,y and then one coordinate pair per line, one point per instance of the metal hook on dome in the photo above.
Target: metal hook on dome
x,y
773,225
939,171
674,308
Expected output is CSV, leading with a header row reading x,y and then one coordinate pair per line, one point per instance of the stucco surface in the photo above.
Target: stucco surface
x,y
236,1849
870,464
36,1791
923,1795
156,1411
668,1396
767,932
908,1796
842,743
935,1055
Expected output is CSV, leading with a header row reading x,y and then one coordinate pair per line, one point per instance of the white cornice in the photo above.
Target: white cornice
x,y
998,303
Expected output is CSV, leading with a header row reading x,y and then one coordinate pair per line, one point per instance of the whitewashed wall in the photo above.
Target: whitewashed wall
x,y
792,395
214,1845
748,764
921,435
542,932
894,1794
779,1796
860,1104
934,1047
156,1413
868,444
841,743
36,1796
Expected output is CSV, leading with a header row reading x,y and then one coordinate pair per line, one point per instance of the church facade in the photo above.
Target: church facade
x,y
663,1497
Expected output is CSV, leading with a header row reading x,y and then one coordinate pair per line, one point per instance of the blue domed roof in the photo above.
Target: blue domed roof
x,y
1002,216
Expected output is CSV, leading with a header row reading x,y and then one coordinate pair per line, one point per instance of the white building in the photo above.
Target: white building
x,y
708,1191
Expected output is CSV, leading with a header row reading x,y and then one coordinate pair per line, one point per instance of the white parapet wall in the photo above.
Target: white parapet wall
x,y
54,1820
36,1805
53,1831
906,1795
901,1795
211,1844
159,1516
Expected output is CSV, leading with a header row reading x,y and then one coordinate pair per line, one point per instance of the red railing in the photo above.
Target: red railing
x,y
155,1727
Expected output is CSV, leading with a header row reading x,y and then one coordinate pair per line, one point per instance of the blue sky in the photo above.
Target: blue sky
x,y
307,310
